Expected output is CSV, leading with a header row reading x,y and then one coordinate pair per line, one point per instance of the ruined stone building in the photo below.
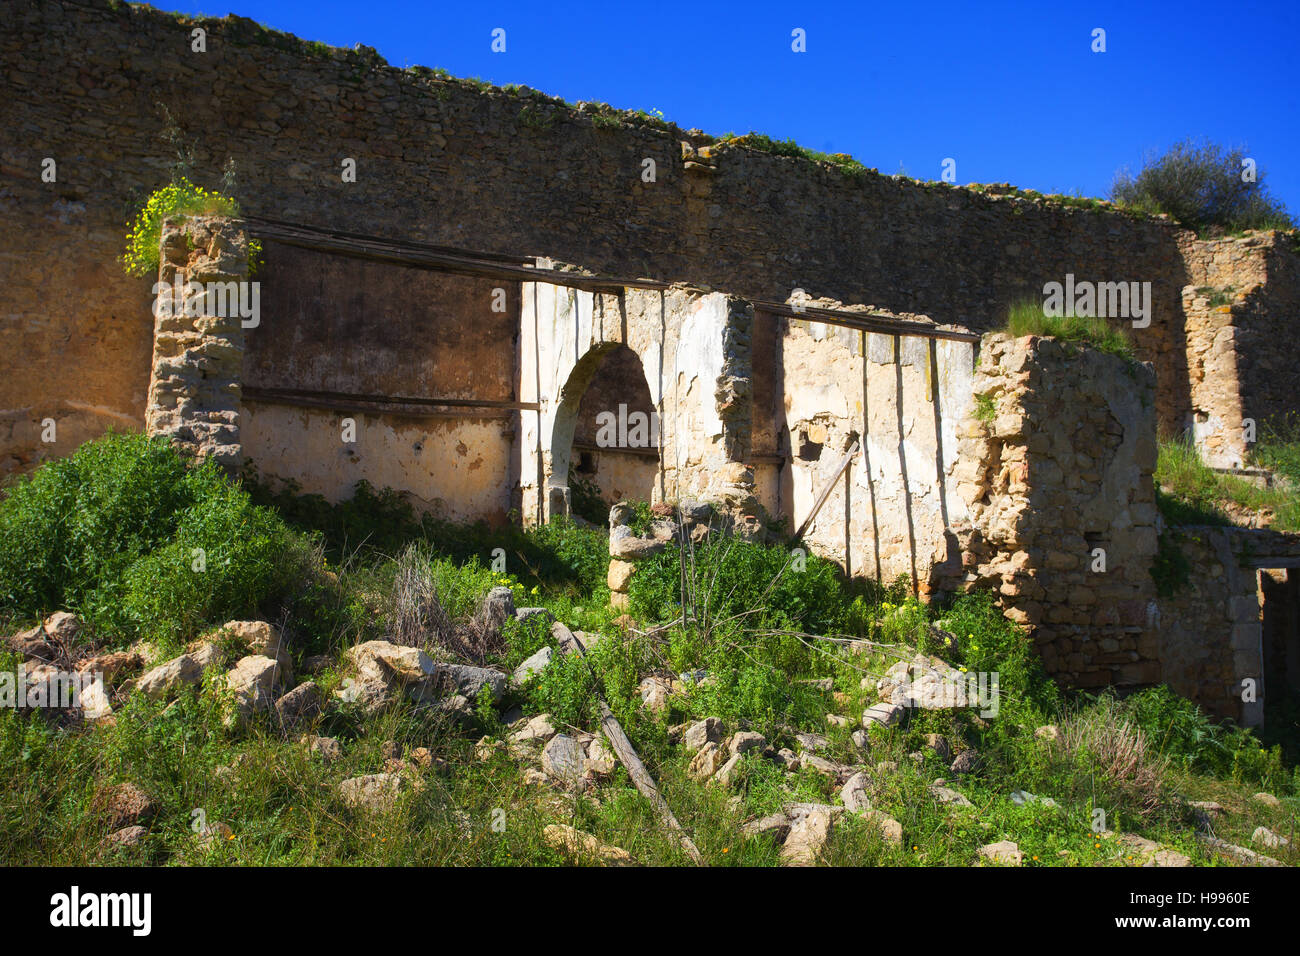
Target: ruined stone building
x,y
501,282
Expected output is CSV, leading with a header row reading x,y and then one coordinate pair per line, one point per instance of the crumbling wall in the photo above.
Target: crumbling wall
x,y
1211,633
342,341
1209,636
692,355
1241,304
194,385
616,402
444,161
1055,470
901,400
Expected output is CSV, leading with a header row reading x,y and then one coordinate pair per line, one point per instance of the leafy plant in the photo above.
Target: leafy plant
x,y
176,199
115,533
1201,185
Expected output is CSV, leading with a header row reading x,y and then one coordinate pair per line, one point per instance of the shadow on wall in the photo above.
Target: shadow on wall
x,y
889,511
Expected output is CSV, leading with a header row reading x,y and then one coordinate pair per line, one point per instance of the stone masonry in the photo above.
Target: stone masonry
x,y
194,385
1056,474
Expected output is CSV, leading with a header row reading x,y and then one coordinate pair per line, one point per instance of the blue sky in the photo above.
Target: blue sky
x,y
1011,91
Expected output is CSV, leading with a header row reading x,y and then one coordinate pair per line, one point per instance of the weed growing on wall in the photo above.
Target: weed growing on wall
x,y
180,198
1028,318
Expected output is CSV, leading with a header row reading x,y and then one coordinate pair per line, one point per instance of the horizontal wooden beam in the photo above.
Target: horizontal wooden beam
x,y
259,392
500,266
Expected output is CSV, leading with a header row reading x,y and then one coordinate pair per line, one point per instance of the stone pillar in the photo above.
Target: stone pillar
x,y
202,302
1212,352
1055,466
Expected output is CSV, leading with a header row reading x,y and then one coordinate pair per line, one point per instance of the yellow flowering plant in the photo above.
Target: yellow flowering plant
x,y
179,198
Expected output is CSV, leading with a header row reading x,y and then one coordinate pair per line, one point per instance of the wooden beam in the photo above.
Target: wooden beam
x,y
259,392
826,491
501,266
627,753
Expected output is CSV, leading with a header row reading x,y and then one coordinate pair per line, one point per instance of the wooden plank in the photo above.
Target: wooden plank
x,y
826,491
500,266
627,753
259,392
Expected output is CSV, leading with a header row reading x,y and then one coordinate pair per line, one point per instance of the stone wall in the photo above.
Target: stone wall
x,y
901,399
1210,638
1211,633
335,334
445,161
1241,304
1055,470
195,382
695,379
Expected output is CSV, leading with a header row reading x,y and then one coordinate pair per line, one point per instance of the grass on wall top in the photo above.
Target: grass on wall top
x,y
1027,318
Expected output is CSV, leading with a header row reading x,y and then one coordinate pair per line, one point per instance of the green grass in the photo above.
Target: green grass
x,y
1028,319
1193,493
283,805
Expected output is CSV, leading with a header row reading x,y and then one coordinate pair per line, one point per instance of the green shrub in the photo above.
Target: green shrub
x,y
247,555
586,500
753,584
1184,733
111,533
70,529
559,555
1028,318
1201,186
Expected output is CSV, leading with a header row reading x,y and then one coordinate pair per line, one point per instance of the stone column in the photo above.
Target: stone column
x,y
202,301
1055,467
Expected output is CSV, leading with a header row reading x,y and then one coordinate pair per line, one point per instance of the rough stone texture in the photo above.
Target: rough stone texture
x,y
753,408
300,705
535,664
1209,639
743,741
903,399
869,238
600,758
194,386
580,844
810,827
1237,305
563,759
374,792
1004,852
1063,468
776,824
707,762
166,679
126,837
253,681
855,794
123,805
327,748
706,731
